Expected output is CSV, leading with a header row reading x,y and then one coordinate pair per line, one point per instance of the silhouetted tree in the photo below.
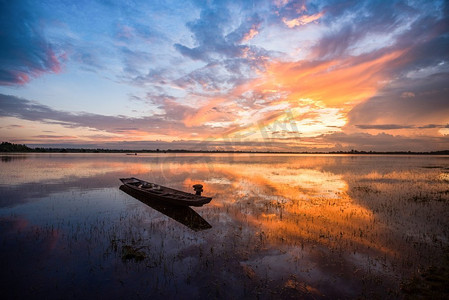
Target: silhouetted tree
x,y
9,147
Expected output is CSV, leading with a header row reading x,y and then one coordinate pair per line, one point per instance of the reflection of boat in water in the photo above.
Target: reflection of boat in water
x,y
165,194
183,214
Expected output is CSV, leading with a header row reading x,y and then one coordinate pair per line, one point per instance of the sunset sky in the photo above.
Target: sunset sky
x,y
245,75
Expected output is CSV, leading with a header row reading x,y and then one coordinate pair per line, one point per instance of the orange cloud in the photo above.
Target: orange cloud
x,y
250,35
302,20
313,97
208,112
335,82
292,100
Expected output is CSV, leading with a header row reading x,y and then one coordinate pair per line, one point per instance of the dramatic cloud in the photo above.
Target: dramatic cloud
x,y
285,75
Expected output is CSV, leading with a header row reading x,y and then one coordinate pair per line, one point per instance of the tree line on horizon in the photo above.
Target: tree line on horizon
x,y
10,147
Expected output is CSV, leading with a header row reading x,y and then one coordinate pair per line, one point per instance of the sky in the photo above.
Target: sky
x,y
322,75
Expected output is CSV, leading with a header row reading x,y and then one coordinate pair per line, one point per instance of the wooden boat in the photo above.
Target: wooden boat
x,y
165,194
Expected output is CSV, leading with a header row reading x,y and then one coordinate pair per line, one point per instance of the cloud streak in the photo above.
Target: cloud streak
x,y
24,51
302,20
11,106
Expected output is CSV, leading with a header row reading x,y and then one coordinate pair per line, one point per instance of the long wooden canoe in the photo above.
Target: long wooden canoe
x,y
164,194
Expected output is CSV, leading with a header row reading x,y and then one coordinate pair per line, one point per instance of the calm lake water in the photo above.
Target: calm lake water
x,y
279,226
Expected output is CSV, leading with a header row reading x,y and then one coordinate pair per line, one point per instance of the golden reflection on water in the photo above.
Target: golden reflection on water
x,y
294,206
386,214
292,199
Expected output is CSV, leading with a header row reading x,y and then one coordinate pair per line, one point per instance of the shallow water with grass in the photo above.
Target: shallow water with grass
x,y
279,226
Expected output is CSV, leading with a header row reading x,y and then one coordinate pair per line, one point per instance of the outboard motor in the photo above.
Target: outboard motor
x,y
198,189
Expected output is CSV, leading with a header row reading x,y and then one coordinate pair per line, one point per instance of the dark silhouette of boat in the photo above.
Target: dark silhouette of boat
x,y
167,195
182,214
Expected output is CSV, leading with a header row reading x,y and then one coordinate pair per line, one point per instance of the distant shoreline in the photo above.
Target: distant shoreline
x,y
6,147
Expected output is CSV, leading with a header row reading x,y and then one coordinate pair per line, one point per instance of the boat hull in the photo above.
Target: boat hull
x,y
164,194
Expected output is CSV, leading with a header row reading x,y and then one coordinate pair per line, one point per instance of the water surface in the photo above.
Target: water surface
x,y
279,226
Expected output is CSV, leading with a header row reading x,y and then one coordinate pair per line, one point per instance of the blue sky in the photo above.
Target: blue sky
x,y
268,75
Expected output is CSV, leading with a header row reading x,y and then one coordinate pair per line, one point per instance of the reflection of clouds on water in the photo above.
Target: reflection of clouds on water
x,y
217,181
297,207
54,168
311,225
444,176
302,183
